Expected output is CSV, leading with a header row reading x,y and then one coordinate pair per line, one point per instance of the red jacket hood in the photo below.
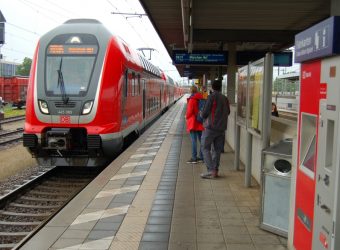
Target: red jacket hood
x,y
196,96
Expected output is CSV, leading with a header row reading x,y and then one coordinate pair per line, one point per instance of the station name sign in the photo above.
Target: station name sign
x,y
200,57
320,40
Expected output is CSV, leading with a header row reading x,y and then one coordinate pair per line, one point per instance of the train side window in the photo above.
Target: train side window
x,y
144,84
138,82
125,85
133,84
149,106
130,84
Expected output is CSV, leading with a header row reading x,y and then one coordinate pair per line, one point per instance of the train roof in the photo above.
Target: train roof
x,y
94,26
290,76
148,66
82,20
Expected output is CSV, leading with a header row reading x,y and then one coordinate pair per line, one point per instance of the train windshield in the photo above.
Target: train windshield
x,y
76,71
70,59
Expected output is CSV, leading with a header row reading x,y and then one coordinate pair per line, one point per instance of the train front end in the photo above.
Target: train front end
x,y
65,125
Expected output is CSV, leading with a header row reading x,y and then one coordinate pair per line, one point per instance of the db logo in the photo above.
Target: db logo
x,y
65,119
306,74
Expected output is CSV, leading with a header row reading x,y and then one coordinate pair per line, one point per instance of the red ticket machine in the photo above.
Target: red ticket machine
x,y
313,48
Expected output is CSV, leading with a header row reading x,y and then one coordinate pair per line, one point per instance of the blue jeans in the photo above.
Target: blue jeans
x,y
195,135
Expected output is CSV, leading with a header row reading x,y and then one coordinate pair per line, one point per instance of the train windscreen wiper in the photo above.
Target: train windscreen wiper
x,y
61,83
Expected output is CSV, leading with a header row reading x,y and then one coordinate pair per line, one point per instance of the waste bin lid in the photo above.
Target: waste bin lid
x,y
283,166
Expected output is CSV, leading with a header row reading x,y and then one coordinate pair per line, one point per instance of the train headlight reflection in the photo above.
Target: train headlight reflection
x,y
43,107
87,107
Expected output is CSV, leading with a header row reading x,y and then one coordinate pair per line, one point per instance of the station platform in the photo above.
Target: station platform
x,y
150,198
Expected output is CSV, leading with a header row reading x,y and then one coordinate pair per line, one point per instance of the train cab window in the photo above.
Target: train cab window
x,y
76,73
70,61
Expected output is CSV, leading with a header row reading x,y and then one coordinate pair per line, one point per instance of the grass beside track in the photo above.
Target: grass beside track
x,y
10,112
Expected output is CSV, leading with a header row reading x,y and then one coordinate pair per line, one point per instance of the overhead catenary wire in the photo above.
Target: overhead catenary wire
x,y
44,8
37,10
21,37
24,29
17,51
112,5
62,8
145,26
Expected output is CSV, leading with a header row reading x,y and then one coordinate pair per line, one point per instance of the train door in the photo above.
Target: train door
x,y
160,96
144,97
124,91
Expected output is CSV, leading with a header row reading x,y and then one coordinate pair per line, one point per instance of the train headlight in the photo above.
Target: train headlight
x,y
43,107
87,107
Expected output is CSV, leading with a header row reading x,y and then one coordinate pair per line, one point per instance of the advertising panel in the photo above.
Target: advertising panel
x,y
242,84
255,97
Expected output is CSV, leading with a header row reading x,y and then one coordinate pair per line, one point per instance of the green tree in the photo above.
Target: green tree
x,y
277,85
24,68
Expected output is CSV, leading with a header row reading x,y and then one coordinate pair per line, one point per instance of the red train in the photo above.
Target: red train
x,y
88,90
13,90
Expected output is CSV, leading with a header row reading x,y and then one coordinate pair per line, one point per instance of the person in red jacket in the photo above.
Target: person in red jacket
x,y
194,127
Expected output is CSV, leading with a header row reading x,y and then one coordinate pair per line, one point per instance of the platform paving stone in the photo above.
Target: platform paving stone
x,y
206,214
158,201
158,230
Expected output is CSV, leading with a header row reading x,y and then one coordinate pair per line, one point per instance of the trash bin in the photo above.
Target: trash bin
x,y
276,181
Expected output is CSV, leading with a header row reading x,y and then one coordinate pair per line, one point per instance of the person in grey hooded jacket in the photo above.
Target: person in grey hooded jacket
x,y
215,115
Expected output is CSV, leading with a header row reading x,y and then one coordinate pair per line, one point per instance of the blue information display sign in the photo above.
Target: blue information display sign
x,y
320,40
281,59
200,57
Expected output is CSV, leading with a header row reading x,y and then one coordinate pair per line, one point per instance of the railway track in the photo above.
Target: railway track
x,y
290,115
12,119
25,210
7,137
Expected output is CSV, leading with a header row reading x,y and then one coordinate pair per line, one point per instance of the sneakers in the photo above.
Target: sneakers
x,y
210,175
192,161
199,160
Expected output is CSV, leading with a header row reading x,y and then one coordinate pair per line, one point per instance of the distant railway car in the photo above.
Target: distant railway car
x,y
87,92
13,89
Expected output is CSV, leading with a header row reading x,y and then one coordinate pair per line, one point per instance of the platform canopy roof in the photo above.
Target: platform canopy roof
x,y
253,25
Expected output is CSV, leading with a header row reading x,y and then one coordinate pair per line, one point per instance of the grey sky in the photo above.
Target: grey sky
x,y
27,20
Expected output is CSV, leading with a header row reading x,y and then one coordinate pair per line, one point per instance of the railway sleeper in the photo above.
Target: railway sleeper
x,y
56,193
33,206
10,218
57,188
34,210
11,239
7,246
75,180
39,203
19,224
62,184
28,198
14,234
41,215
